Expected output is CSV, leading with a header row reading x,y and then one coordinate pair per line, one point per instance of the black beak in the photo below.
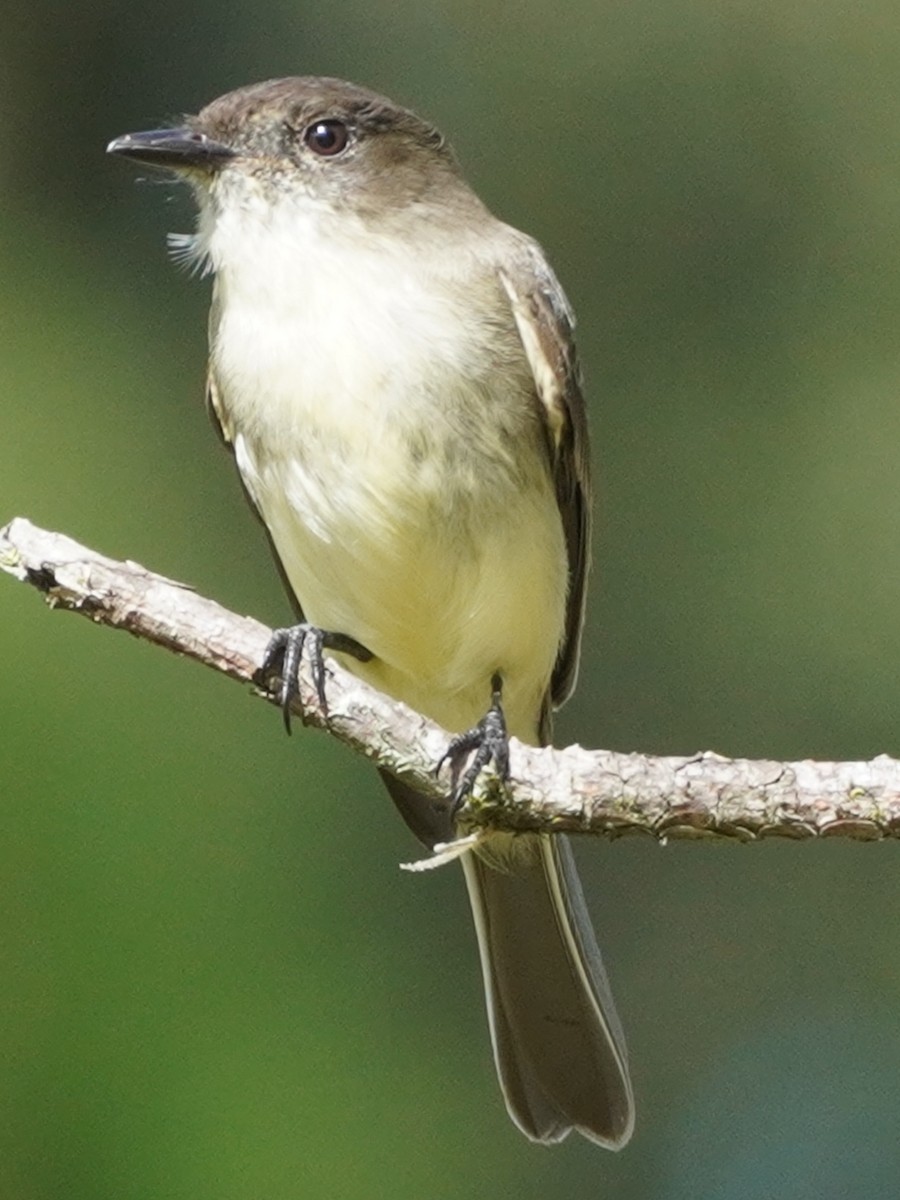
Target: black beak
x,y
176,149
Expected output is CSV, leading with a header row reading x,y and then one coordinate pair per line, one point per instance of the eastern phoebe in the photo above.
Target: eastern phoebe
x,y
393,369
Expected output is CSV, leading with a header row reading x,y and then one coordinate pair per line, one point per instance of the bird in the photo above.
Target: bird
x,y
394,371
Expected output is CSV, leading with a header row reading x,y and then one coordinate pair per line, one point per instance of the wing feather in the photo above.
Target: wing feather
x,y
546,323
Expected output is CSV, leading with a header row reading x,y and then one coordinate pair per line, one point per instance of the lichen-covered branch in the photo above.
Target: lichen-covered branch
x,y
577,790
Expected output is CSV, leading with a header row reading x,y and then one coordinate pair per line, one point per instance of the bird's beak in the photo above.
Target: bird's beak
x,y
177,149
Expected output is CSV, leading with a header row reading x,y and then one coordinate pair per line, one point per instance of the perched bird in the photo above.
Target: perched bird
x,y
393,369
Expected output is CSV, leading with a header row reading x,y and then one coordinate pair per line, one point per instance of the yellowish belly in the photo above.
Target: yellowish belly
x,y
443,598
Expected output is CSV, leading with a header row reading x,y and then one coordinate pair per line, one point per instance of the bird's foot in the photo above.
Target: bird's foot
x,y
488,739
284,653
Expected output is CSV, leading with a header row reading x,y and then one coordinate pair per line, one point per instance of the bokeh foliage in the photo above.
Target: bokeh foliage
x,y
215,981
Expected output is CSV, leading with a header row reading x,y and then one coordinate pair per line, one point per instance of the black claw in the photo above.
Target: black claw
x,y
490,741
284,654
316,641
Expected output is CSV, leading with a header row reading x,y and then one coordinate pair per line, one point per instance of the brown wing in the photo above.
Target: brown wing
x,y
218,414
545,324
215,405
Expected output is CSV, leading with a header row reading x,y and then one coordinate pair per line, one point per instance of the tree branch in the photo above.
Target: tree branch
x,y
576,790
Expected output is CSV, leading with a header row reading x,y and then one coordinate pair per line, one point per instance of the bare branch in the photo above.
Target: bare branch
x,y
576,790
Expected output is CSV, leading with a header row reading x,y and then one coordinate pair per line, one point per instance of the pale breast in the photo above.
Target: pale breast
x,y
387,433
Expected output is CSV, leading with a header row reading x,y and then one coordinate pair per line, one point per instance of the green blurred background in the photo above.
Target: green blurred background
x,y
215,981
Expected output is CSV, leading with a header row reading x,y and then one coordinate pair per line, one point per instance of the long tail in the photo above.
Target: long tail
x,y
558,1044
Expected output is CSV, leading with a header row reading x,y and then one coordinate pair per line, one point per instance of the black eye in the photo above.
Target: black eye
x,y
327,137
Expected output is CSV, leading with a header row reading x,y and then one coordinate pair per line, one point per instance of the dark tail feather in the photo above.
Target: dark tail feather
x,y
558,1044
